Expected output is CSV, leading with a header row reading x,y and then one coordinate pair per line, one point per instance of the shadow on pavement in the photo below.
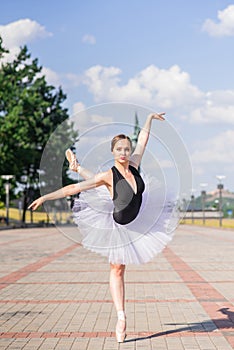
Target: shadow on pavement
x,y
205,326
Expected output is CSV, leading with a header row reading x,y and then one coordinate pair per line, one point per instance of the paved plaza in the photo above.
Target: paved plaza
x,y
55,294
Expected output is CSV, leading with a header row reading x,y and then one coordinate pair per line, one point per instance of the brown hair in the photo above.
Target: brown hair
x,y
120,137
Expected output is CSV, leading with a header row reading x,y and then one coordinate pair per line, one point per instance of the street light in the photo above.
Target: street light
x,y
203,198
220,188
192,204
192,207
7,189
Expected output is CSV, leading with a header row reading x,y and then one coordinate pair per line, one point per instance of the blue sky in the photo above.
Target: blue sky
x,y
173,56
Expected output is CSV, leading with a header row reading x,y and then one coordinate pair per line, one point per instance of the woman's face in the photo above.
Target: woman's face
x,y
122,151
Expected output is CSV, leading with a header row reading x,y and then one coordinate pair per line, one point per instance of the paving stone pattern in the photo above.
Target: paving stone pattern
x,y
54,294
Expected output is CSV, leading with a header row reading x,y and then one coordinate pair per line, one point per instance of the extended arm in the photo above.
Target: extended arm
x,y
143,138
97,180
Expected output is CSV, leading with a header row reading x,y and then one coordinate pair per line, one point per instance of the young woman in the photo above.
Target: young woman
x,y
114,218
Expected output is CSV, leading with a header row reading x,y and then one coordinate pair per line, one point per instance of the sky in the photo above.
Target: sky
x,y
175,56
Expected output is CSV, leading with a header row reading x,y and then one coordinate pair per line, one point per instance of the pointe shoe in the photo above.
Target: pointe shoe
x,y
73,162
120,336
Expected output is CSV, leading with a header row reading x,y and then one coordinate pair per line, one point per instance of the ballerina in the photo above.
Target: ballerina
x,y
110,214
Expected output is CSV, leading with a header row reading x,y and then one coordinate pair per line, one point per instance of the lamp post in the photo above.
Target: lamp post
x,y
7,189
220,188
203,194
193,190
192,208
183,207
203,199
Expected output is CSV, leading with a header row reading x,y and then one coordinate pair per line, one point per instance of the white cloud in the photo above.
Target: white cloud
x,y
19,33
225,24
100,80
218,149
78,107
170,90
85,119
80,116
52,77
89,39
218,107
152,86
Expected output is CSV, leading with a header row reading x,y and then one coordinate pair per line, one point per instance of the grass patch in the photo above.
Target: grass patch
x,y
63,217
38,217
226,223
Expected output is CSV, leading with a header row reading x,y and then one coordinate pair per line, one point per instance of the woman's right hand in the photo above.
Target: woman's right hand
x,y
36,204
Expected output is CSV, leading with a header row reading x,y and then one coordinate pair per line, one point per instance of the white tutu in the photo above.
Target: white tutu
x,y
134,243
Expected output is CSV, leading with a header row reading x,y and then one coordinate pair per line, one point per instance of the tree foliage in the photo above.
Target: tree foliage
x,y
30,111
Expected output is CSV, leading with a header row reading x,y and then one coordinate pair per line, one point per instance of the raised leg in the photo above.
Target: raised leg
x,y
85,173
75,166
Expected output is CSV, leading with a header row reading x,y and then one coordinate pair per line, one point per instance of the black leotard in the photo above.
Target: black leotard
x,y
127,203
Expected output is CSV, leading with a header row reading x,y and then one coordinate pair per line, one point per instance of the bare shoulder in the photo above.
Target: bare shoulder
x,y
104,177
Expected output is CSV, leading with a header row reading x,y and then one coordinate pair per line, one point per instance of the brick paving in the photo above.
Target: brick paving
x,y
55,295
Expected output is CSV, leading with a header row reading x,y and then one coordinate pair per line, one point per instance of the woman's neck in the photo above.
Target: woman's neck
x,y
124,167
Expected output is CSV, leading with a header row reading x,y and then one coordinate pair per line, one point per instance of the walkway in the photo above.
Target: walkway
x,y
55,295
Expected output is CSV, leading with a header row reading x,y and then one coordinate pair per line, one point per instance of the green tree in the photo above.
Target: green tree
x,y
30,111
